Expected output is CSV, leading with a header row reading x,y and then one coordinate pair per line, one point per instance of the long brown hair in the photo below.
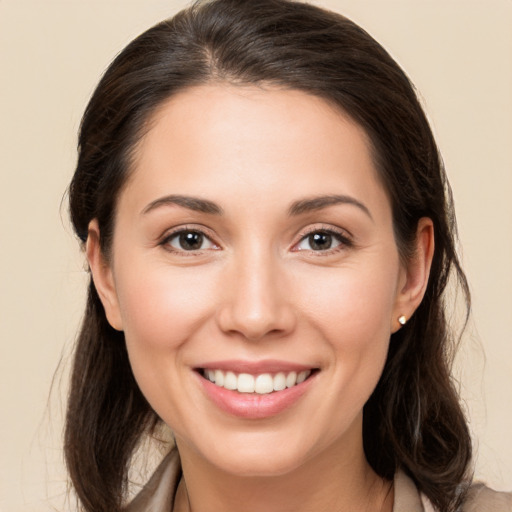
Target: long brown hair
x,y
413,420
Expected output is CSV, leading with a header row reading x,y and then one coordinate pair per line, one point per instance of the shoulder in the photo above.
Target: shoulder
x,y
158,494
481,498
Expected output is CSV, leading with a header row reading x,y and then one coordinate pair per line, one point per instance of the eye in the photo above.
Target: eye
x,y
189,240
321,240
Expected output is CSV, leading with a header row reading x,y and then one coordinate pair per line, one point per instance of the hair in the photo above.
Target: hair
x,y
413,419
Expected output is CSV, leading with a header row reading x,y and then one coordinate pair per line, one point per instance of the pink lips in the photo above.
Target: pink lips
x,y
253,405
255,367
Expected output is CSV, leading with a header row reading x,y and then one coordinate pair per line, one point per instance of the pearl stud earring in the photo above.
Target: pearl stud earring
x,y
402,320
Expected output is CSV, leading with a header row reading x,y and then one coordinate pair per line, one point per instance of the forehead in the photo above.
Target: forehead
x,y
258,143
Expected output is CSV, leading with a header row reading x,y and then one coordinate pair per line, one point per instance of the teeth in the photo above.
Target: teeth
x,y
230,381
245,383
219,378
302,376
291,379
279,382
262,384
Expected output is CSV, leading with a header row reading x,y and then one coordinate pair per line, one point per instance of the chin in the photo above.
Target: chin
x,y
246,454
262,464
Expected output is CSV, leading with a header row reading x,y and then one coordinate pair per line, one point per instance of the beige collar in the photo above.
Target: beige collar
x,y
158,494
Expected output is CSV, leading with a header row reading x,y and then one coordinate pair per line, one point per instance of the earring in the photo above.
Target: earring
x,y
402,320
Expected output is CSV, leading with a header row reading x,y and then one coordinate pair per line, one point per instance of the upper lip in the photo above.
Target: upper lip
x,y
255,367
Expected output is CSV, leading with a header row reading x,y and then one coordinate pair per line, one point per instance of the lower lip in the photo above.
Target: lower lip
x,y
253,405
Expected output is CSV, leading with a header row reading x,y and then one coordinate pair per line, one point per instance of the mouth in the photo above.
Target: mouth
x,y
255,390
260,384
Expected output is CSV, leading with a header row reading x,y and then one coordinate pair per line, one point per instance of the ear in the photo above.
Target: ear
x,y
415,274
102,276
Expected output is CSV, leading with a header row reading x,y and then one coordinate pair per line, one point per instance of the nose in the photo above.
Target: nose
x,y
256,300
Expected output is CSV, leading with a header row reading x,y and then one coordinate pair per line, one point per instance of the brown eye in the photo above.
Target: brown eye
x,y
189,241
319,241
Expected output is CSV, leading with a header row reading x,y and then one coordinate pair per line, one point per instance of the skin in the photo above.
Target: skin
x,y
258,290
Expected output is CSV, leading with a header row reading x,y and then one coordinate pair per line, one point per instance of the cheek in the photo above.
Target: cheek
x,y
353,307
162,309
353,314
162,306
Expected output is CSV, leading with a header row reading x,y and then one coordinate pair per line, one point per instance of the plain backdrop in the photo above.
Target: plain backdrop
x,y
52,53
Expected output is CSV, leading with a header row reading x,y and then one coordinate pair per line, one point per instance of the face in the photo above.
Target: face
x,y
255,275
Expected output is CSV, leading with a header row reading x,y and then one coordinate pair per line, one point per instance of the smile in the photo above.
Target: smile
x,y
254,390
262,384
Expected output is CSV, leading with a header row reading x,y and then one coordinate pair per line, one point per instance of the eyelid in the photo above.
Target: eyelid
x,y
173,232
345,238
342,235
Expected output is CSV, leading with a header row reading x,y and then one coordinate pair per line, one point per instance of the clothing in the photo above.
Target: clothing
x,y
158,494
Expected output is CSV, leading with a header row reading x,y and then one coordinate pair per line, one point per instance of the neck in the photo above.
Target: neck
x,y
329,481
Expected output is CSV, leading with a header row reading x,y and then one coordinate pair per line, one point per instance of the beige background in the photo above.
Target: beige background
x,y
459,54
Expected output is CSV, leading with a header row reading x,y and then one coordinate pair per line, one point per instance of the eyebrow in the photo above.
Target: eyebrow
x,y
191,203
320,202
297,208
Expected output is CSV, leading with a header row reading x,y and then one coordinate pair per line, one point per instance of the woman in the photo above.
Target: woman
x,y
270,233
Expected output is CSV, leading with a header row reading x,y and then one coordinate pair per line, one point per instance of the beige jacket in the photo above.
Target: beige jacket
x,y
158,494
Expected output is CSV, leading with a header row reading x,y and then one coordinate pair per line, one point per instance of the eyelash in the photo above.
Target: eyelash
x,y
166,241
339,235
344,239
